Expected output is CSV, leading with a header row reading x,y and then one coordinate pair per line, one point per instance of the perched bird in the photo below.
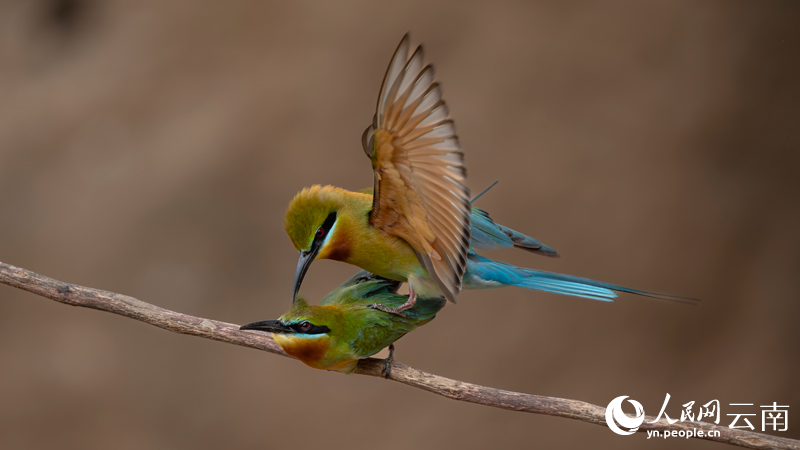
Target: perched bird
x,y
341,239
347,325
418,226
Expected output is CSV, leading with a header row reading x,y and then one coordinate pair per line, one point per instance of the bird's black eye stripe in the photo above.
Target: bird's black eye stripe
x,y
307,327
326,226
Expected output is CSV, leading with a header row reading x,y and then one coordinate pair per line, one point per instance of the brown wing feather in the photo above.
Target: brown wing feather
x,y
420,193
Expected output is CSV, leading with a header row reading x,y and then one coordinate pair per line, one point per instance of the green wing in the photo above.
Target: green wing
x,y
370,330
378,329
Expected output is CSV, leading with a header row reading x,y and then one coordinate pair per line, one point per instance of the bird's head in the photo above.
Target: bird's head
x,y
318,335
305,331
312,223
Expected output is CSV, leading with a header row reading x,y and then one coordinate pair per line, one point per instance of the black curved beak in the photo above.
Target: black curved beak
x,y
306,258
271,326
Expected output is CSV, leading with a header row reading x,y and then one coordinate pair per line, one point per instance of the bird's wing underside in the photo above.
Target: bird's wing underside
x,y
420,192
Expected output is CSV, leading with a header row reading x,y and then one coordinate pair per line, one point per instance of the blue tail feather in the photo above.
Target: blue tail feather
x,y
484,273
488,235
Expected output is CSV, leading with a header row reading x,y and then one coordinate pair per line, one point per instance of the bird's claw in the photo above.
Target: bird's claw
x,y
387,363
380,307
412,300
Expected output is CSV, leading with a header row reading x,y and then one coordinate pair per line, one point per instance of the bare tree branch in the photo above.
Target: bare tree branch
x,y
123,305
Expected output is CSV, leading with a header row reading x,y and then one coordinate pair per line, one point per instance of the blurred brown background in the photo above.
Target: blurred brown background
x,y
150,148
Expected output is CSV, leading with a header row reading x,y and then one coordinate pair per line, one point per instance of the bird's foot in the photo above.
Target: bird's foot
x,y
387,309
412,300
387,363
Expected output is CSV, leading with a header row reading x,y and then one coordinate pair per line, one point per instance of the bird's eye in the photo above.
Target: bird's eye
x,y
362,279
305,326
320,232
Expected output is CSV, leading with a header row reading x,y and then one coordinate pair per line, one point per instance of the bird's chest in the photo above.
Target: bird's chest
x,y
311,351
387,256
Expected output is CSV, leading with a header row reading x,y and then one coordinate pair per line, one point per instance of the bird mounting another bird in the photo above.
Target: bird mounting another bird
x,y
416,225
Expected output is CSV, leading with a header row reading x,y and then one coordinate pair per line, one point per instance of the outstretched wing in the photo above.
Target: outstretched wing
x,y
420,195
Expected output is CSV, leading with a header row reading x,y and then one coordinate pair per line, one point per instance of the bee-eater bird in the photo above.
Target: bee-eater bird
x,y
347,325
418,226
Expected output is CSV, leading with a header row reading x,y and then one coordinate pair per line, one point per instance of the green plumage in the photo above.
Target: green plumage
x,y
356,330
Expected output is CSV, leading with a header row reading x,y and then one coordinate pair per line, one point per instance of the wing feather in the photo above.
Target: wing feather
x,y
420,193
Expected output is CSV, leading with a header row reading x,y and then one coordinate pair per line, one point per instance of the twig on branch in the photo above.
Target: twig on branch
x,y
123,305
